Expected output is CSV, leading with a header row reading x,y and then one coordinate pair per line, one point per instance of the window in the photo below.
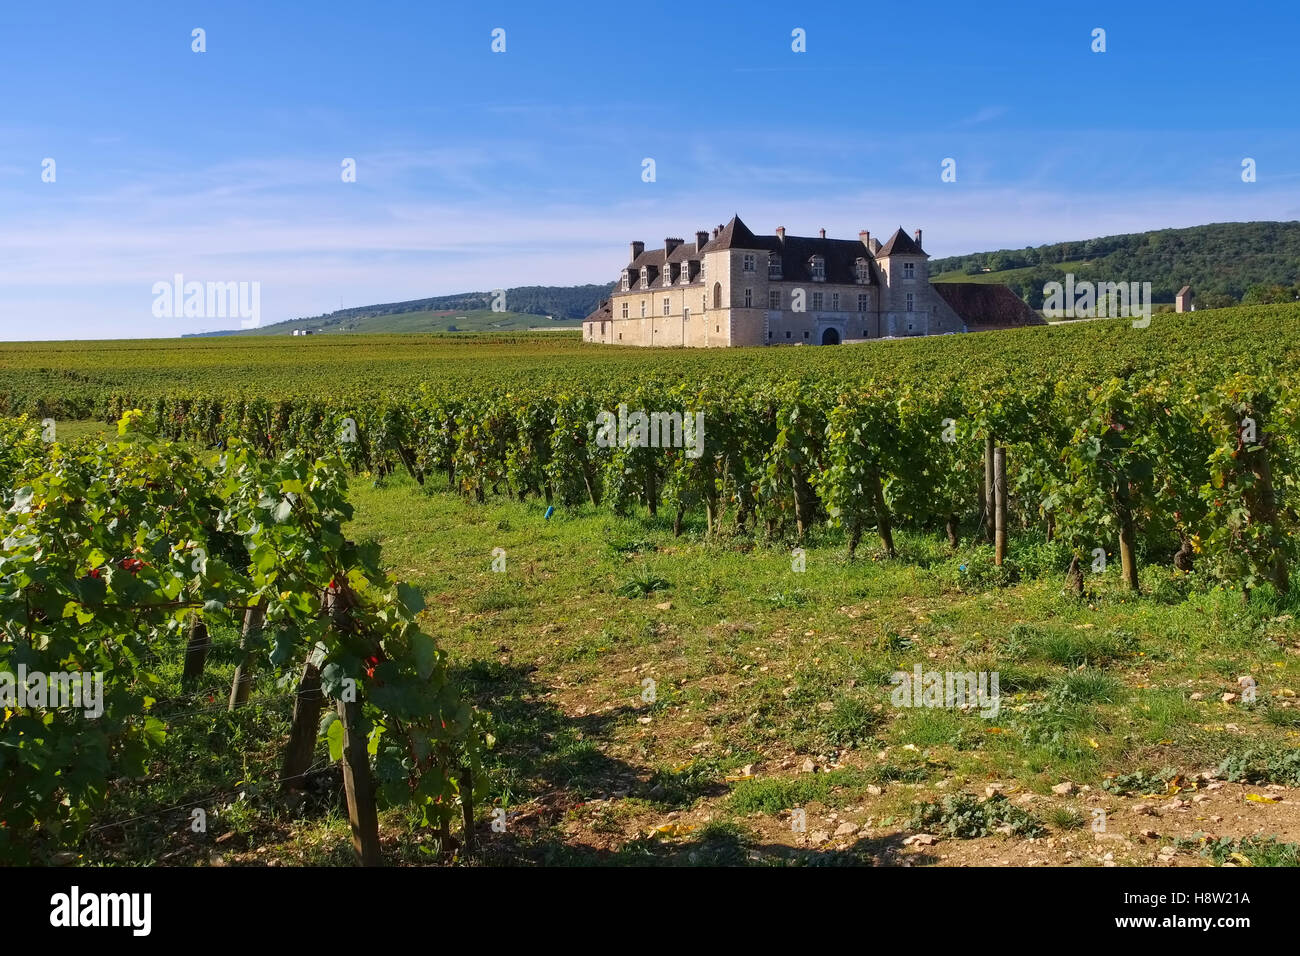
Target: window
x,y
805,335
774,298
817,301
863,302
909,270
668,274
835,301
620,336
686,272
704,303
645,277
717,329
749,298
686,316
625,310
864,271
749,262
627,280
817,265
774,266
787,334
666,304
717,295
643,308
769,335
910,299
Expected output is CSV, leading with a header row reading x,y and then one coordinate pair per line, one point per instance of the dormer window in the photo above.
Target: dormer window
x,y
686,272
645,277
863,272
668,274
750,262
627,280
774,266
817,266
909,270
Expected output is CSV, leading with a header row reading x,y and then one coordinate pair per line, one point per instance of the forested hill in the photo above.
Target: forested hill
x,y
463,311
1224,263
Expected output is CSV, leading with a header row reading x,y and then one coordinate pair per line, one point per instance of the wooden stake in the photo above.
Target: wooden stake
x,y
1127,537
989,502
254,618
999,505
467,807
307,706
363,816
196,651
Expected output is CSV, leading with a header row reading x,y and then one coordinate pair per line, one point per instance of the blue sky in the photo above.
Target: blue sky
x,y
479,170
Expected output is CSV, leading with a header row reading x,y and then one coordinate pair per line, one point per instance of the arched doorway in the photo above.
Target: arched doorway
x,y
717,295
830,337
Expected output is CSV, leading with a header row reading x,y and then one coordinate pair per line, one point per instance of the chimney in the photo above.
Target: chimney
x,y
670,245
700,239
865,236
821,233
917,236
716,230
637,249
780,233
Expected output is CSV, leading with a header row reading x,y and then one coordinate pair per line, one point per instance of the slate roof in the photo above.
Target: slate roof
x,y
841,256
987,306
900,244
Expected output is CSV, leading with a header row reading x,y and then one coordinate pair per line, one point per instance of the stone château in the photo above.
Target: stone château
x,y
733,288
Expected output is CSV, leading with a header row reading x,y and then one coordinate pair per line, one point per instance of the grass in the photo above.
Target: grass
x,y
1005,275
753,666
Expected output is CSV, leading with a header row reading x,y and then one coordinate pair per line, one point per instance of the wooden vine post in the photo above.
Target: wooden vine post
x,y
242,684
307,706
196,651
363,815
989,494
999,505
358,784
1127,536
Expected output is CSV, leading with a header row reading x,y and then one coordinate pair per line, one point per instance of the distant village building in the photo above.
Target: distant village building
x,y
733,288
1183,300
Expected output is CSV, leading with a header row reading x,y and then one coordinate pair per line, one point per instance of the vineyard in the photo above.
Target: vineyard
x,y
1176,443
121,554
224,505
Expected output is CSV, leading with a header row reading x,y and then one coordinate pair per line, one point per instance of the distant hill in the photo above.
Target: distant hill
x,y
529,307
424,320
1225,263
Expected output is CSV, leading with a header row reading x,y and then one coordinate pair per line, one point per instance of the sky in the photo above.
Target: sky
x,y
477,169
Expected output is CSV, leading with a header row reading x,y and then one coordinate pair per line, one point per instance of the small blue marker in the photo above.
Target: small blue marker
x,y
550,511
